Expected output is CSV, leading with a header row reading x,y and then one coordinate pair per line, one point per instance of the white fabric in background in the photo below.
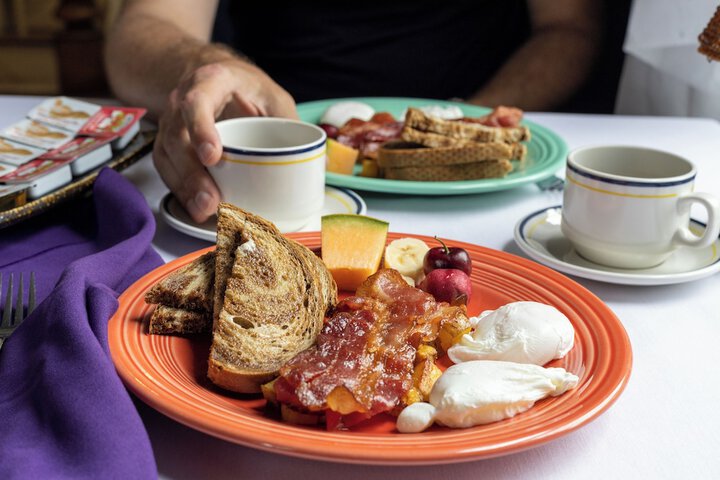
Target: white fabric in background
x,y
663,72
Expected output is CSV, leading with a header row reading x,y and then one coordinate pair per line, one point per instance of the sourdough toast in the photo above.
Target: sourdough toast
x,y
271,296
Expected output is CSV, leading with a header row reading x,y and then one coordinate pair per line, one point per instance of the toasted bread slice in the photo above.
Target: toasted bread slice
x,y
189,287
271,295
435,140
184,299
404,154
168,320
416,121
450,173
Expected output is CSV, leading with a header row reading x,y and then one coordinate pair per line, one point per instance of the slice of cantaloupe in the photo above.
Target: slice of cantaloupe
x,y
352,247
340,158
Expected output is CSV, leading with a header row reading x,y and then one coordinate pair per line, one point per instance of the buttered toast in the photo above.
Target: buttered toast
x,y
271,296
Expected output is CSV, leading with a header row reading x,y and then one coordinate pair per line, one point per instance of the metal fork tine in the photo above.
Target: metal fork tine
x,y
19,307
31,299
7,312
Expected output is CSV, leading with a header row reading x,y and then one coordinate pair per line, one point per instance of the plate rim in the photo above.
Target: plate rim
x,y
464,187
202,234
617,377
620,278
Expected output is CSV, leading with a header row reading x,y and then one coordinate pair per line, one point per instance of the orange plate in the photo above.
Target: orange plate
x,y
168,373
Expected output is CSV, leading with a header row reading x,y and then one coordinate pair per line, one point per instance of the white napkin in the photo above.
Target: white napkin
x,y
664,74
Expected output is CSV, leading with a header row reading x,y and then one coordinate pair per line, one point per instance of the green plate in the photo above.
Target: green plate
x,y
546,153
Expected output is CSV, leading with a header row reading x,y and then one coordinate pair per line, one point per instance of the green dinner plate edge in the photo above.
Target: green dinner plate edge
x,y
312,111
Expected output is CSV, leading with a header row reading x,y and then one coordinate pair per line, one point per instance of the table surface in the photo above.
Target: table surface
x,y
666,424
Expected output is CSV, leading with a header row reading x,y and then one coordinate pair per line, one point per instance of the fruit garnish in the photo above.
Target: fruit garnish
x,y
340,158
406,255
330,130
449,285
447,257
352,247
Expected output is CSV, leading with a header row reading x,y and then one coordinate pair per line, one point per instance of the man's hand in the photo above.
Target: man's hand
x,y
187,140
159,56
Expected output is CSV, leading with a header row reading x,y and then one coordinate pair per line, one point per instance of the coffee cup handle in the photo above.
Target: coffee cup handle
x,y
711,203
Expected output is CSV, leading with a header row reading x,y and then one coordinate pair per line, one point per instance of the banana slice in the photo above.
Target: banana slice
x,y
406,255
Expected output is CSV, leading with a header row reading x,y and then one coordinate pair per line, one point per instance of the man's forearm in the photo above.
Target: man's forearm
x,y
146,57
542,73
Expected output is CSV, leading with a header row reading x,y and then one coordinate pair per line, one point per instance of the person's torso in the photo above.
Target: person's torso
x,y
415,49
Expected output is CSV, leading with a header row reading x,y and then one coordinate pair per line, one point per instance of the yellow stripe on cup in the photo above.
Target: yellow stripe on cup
x,y
618,194
273,163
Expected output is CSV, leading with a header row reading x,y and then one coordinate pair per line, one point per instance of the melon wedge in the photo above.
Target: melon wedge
x,y
340,158
352,247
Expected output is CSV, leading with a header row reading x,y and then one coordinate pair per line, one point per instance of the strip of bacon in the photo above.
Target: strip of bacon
x,y
501,116
367,136
364,356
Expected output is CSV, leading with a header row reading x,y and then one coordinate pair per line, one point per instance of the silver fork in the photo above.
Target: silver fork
x,y
12,318
552,183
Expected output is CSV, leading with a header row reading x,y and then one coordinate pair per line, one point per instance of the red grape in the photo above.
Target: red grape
x,y
330,130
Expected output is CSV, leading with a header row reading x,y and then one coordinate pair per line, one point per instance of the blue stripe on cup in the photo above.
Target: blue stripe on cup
x,y
629,183
275,152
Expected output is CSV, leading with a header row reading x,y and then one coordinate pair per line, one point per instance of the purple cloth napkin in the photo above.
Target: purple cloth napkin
x,y
65,413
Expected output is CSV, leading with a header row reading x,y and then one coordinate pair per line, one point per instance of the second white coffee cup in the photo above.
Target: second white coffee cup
x,y
629,207
272,167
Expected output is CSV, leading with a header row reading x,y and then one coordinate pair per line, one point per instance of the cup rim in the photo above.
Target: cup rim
x,y
630,180
267,151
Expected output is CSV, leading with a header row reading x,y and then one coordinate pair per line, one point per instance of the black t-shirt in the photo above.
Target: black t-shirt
x,y
415,49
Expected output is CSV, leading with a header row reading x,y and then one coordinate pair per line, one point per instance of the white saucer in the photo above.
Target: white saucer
x,y
337,200
540,237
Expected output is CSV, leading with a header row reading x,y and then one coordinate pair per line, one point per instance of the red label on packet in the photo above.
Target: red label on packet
x,y
33,170
75,148
112,122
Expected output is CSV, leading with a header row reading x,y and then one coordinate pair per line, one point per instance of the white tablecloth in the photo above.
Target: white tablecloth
x,y
666,424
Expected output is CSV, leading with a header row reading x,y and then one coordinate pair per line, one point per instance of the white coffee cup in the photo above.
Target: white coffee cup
x,y
629,207
272,167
